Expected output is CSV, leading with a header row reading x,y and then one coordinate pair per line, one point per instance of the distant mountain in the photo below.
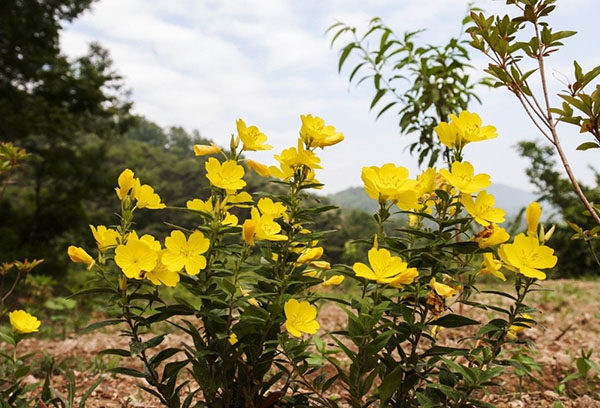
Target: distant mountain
x,y
508,198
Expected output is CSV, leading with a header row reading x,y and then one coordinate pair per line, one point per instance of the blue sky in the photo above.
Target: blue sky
x,y
203,64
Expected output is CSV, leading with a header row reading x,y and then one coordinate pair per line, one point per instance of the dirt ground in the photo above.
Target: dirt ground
x,y
569,321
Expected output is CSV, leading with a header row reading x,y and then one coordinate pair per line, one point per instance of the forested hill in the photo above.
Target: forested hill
x,y
511,199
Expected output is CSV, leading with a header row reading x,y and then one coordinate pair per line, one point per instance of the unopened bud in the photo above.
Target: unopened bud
x,y
548,234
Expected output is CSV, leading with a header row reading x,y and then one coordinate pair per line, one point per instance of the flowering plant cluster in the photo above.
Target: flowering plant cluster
x,y
253,269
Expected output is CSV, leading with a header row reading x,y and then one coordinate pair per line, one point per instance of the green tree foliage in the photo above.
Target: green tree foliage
x,y
63,112
424,84
574,259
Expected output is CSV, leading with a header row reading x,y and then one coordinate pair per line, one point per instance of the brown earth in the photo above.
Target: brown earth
x,y
569,321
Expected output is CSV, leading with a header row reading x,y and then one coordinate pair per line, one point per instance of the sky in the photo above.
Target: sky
x,y
204,64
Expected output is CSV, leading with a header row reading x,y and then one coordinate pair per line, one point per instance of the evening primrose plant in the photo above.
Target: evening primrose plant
x,y
418,277
255,274
252,279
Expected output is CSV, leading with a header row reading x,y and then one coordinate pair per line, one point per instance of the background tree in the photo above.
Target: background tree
x,y
423,84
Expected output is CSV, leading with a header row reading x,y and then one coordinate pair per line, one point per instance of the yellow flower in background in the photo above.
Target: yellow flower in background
x,y
442,289
128,184
242,199
228,176
321,265
405,277
161,275
335,280
78,255
492,266
426,181
271,208
206,150
527,256
266,228
230,219
252,138
259,168
295,157
470,129
22,322
491,235
533,214
309,255
185,253
390,182
300,318
315,133
482,209
233,339
136,257
462,177
462,129
147,198
199,205
105,237
248,230
384,269
449,136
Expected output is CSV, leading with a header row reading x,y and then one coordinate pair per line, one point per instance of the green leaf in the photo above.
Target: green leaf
x,y
390,383
98,325
453,320
588,145
127,371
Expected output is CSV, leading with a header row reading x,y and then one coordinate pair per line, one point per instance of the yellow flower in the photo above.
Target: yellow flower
x,y
463,179
321,265
266,228
147,198
206,150
315,134
442,289
527,256
230,219
23,322
426,182
313,273
309,255
492,266
78,255
300,318
233,339
405,277
259,168
270,208
389,182
128,184
296,157
463,129
227,176
248,230
384,269
161,275
491,235
252,138
198,205
335,280
182,253
482,209
533,214
136,257
241,199
105,237
435,331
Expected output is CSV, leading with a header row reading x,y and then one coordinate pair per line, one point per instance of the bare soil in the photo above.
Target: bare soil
x,y
569,321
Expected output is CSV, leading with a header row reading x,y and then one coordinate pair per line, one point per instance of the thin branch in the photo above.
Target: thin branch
x,y
557,144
